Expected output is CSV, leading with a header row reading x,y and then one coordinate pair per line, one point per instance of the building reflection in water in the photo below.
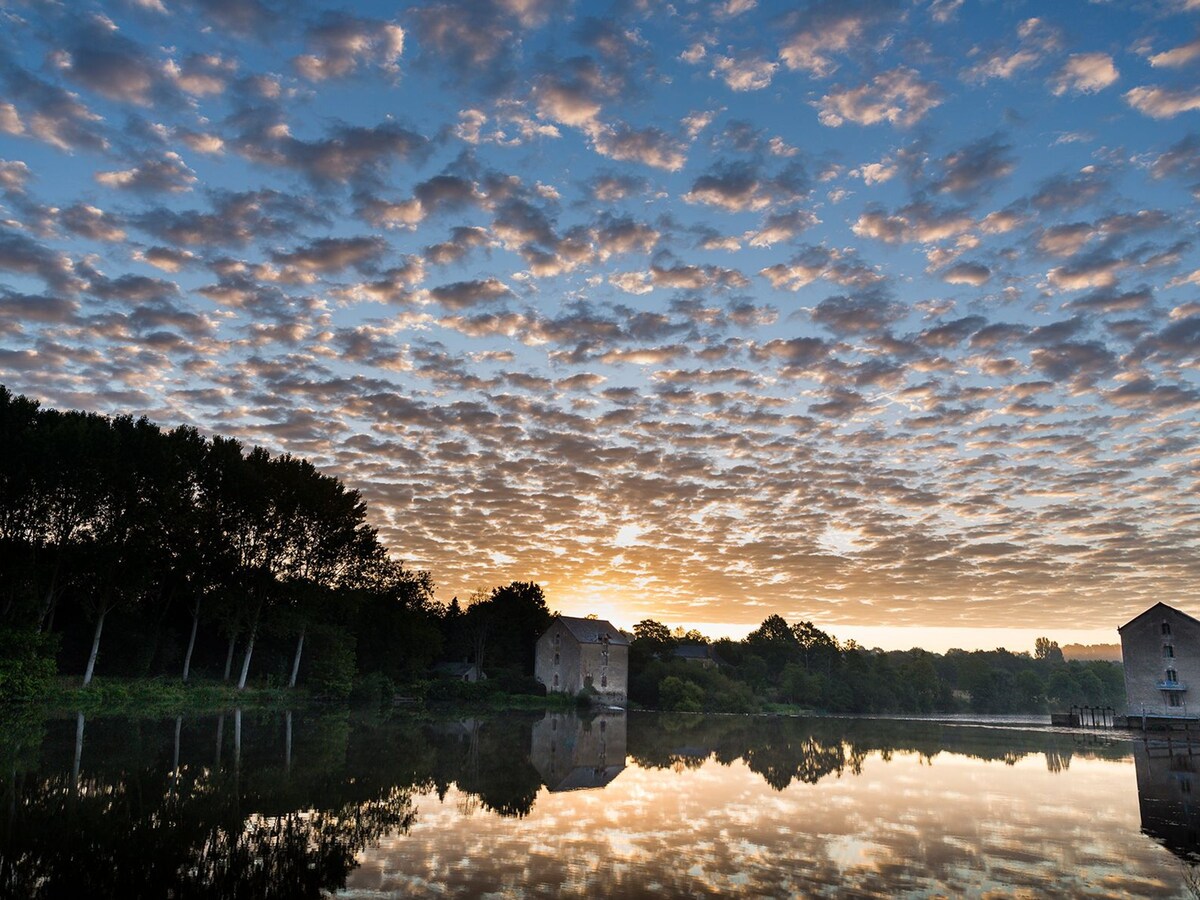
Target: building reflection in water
x,y
574,752
1167,794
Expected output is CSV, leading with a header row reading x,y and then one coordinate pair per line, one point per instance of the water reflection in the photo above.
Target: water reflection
x,y
573,754
1170,809
302,804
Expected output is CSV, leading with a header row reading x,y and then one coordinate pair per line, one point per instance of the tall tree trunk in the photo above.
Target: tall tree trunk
x,y
91,664
78,747
187,657
296,661
229,655
246,658
287,759
220,740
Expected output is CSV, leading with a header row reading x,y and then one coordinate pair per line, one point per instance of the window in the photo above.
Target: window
x,y
556,679
556,659
1166,629
1168,651
556,637
1172,675
603,681
1175,699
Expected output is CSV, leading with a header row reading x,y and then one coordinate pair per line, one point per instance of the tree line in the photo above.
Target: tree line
x,y
133,550
801,665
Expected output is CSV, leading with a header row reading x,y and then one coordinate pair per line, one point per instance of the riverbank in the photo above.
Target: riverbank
x,y
163,696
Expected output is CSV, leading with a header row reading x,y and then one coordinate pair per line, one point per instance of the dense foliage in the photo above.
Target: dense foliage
x,y
174,552
800,665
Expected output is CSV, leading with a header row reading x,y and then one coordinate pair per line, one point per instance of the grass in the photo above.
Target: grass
x,y
158,696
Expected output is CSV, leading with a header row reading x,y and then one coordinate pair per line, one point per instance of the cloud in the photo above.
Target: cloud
x,y
897,96
1085,73
1037,39
91,222
49,113
22,255
105,62
742,186
1162,103
169,174
350,153
1180,160
1177,56
865,312
750,74
974,167
463,239
815,34
14,175
920,222
819,262
330,255
782,226
648,146
466,294
201,74
975,274
339,43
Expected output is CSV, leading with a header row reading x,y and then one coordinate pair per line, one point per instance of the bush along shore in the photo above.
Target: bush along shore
x,y
169,569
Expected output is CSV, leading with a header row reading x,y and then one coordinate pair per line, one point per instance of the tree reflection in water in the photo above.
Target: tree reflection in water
x,y
259,805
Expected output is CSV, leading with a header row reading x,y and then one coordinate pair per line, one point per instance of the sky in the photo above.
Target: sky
x,y
882,315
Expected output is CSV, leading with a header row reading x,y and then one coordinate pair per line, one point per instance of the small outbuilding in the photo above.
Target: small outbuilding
x,y
1161,653
701,655
460,671
576,654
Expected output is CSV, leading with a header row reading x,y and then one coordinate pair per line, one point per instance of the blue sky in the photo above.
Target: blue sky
x,y
870,313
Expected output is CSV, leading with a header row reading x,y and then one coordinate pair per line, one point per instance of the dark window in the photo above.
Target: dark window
x,y
1166,628
603,681
1175,700
1171,675
1168,651
556,659
556,679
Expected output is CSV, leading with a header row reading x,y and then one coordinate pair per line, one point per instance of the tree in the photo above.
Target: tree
x,y
1048,651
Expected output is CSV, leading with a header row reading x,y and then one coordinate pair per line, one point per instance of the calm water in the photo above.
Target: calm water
x,y
312,805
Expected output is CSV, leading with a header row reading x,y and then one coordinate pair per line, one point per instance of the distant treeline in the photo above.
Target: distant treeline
x,y
801,665
130,550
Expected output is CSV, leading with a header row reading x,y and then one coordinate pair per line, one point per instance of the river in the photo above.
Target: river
x,y
640,804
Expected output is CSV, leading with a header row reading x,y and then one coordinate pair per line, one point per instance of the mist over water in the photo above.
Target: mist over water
x,y
561,804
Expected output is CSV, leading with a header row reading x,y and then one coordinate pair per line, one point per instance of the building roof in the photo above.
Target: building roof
x,y
592,631
693,651
1158,608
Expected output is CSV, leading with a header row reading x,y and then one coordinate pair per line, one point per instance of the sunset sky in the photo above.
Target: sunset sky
x,y
884,315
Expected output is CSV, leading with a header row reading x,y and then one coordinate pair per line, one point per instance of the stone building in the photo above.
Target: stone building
x,y
1161,653
575,654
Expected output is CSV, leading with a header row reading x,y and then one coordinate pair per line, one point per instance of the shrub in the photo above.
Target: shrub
x,y
677,695
26,665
